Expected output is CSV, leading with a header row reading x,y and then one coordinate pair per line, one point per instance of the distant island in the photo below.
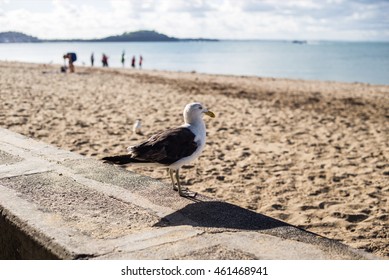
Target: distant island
x,y
301,42
17,37
137,36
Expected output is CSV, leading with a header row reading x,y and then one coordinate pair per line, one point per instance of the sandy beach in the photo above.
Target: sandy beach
x,y
313,154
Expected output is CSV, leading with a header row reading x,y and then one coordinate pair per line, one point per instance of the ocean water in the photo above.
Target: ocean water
x,y
365,62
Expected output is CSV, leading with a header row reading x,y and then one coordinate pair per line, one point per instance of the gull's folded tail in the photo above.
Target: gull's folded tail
x,y
121,159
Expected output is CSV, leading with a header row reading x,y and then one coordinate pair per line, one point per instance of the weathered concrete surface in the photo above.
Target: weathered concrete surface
x,y
57,204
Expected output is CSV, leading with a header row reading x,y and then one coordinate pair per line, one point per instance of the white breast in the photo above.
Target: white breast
x,y
199,131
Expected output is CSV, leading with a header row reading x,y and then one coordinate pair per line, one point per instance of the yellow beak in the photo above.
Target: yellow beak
x,y
209,113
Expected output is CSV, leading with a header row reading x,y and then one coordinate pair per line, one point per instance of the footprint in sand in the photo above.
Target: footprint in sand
x,y
352,218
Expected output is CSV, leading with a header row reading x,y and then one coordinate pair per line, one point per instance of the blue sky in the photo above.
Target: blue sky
x,y
354,20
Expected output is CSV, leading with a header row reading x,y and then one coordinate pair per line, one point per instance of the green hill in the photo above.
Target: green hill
x,y
17,37
139,36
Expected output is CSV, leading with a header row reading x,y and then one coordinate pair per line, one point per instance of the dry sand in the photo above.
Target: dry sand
x,y
313,154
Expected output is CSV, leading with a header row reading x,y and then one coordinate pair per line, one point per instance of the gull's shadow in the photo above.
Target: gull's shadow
x,y
217,214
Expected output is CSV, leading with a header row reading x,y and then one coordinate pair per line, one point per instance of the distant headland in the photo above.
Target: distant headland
x,y
137,36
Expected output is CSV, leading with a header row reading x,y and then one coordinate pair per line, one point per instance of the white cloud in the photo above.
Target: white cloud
x,y
245,19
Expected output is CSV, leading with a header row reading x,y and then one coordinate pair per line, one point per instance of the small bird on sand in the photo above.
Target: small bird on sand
x,y
137,127
171,148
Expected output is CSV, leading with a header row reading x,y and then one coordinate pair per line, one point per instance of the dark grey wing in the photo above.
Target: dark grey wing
x,y
166,147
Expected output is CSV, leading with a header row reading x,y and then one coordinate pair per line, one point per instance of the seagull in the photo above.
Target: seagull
x,y
171,148
137,127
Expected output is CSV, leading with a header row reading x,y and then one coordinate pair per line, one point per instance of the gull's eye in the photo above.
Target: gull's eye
x,y
201,108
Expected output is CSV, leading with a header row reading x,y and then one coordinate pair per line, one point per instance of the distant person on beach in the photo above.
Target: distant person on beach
x,y
71,57
140,61
123,58
104,60
133,61
92,59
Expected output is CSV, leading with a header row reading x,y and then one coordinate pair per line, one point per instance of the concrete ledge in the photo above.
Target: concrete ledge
x,y
59,205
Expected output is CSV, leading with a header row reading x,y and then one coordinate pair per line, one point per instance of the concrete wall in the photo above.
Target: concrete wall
x,y
57,204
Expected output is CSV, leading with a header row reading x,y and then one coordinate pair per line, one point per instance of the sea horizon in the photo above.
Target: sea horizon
x,y
324,60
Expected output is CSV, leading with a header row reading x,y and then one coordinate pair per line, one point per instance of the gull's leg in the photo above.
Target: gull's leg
x,y
171,177
178,183
186,194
